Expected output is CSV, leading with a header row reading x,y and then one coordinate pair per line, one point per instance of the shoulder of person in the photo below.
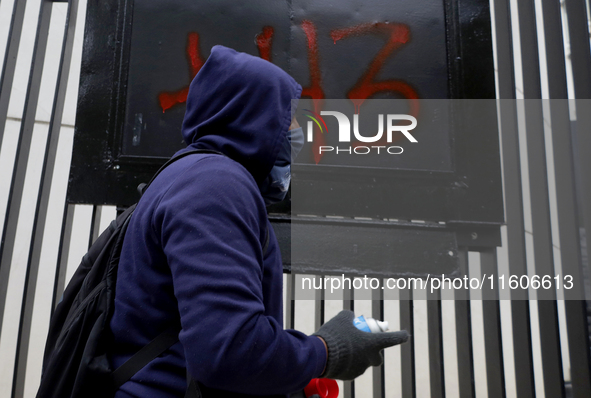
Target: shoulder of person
x,y
213,176
213,169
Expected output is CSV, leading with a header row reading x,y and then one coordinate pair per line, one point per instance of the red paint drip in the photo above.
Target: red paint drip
x,y
398,35
169,99
398,32
314,90
265,42
195,60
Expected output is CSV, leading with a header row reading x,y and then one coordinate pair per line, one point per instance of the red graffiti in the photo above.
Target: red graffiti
x,y
168,100
265,42
314,90
366,86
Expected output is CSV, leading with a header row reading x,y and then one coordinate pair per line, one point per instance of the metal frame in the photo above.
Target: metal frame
x,y
100,175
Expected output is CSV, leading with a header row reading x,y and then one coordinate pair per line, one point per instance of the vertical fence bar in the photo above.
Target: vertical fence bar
x,y
23,149
540,206
95,224
464,334
43,196
520,314
407,351
63,255
491,314
290,307
348,304
578,29
377,312
550,347
566,203
578,343
435,336
30,283
9,66
319,304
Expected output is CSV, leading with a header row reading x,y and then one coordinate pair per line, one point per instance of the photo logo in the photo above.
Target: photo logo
x,y
315,119
392,125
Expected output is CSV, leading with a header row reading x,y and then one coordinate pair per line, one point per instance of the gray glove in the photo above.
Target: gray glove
x,y
350,350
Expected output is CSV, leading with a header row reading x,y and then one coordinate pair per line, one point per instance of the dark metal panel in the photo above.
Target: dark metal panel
x,y
44,189
169,41
98,93
8,68
407,350
476,55
464,335
320,245
465,196
435,335
493,342
23,149
335,246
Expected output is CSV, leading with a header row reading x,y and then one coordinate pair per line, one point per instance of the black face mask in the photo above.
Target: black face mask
x,y
274,188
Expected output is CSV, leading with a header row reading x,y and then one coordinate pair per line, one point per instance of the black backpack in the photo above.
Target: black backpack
x,y
75,362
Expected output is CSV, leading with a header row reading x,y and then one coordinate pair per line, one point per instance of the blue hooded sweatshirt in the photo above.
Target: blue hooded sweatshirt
x,y
194,248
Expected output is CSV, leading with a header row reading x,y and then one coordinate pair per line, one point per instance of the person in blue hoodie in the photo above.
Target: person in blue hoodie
x,y
195,252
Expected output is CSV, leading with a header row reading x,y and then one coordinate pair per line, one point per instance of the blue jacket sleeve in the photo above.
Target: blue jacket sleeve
x,y
211,224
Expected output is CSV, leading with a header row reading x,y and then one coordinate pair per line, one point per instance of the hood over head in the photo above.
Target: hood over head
x,y
240,105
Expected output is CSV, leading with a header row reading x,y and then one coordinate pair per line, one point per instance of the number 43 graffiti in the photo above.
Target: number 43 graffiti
x,y
397,35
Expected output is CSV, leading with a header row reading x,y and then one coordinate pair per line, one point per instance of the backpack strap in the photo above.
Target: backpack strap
x,y
145,355
193,390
